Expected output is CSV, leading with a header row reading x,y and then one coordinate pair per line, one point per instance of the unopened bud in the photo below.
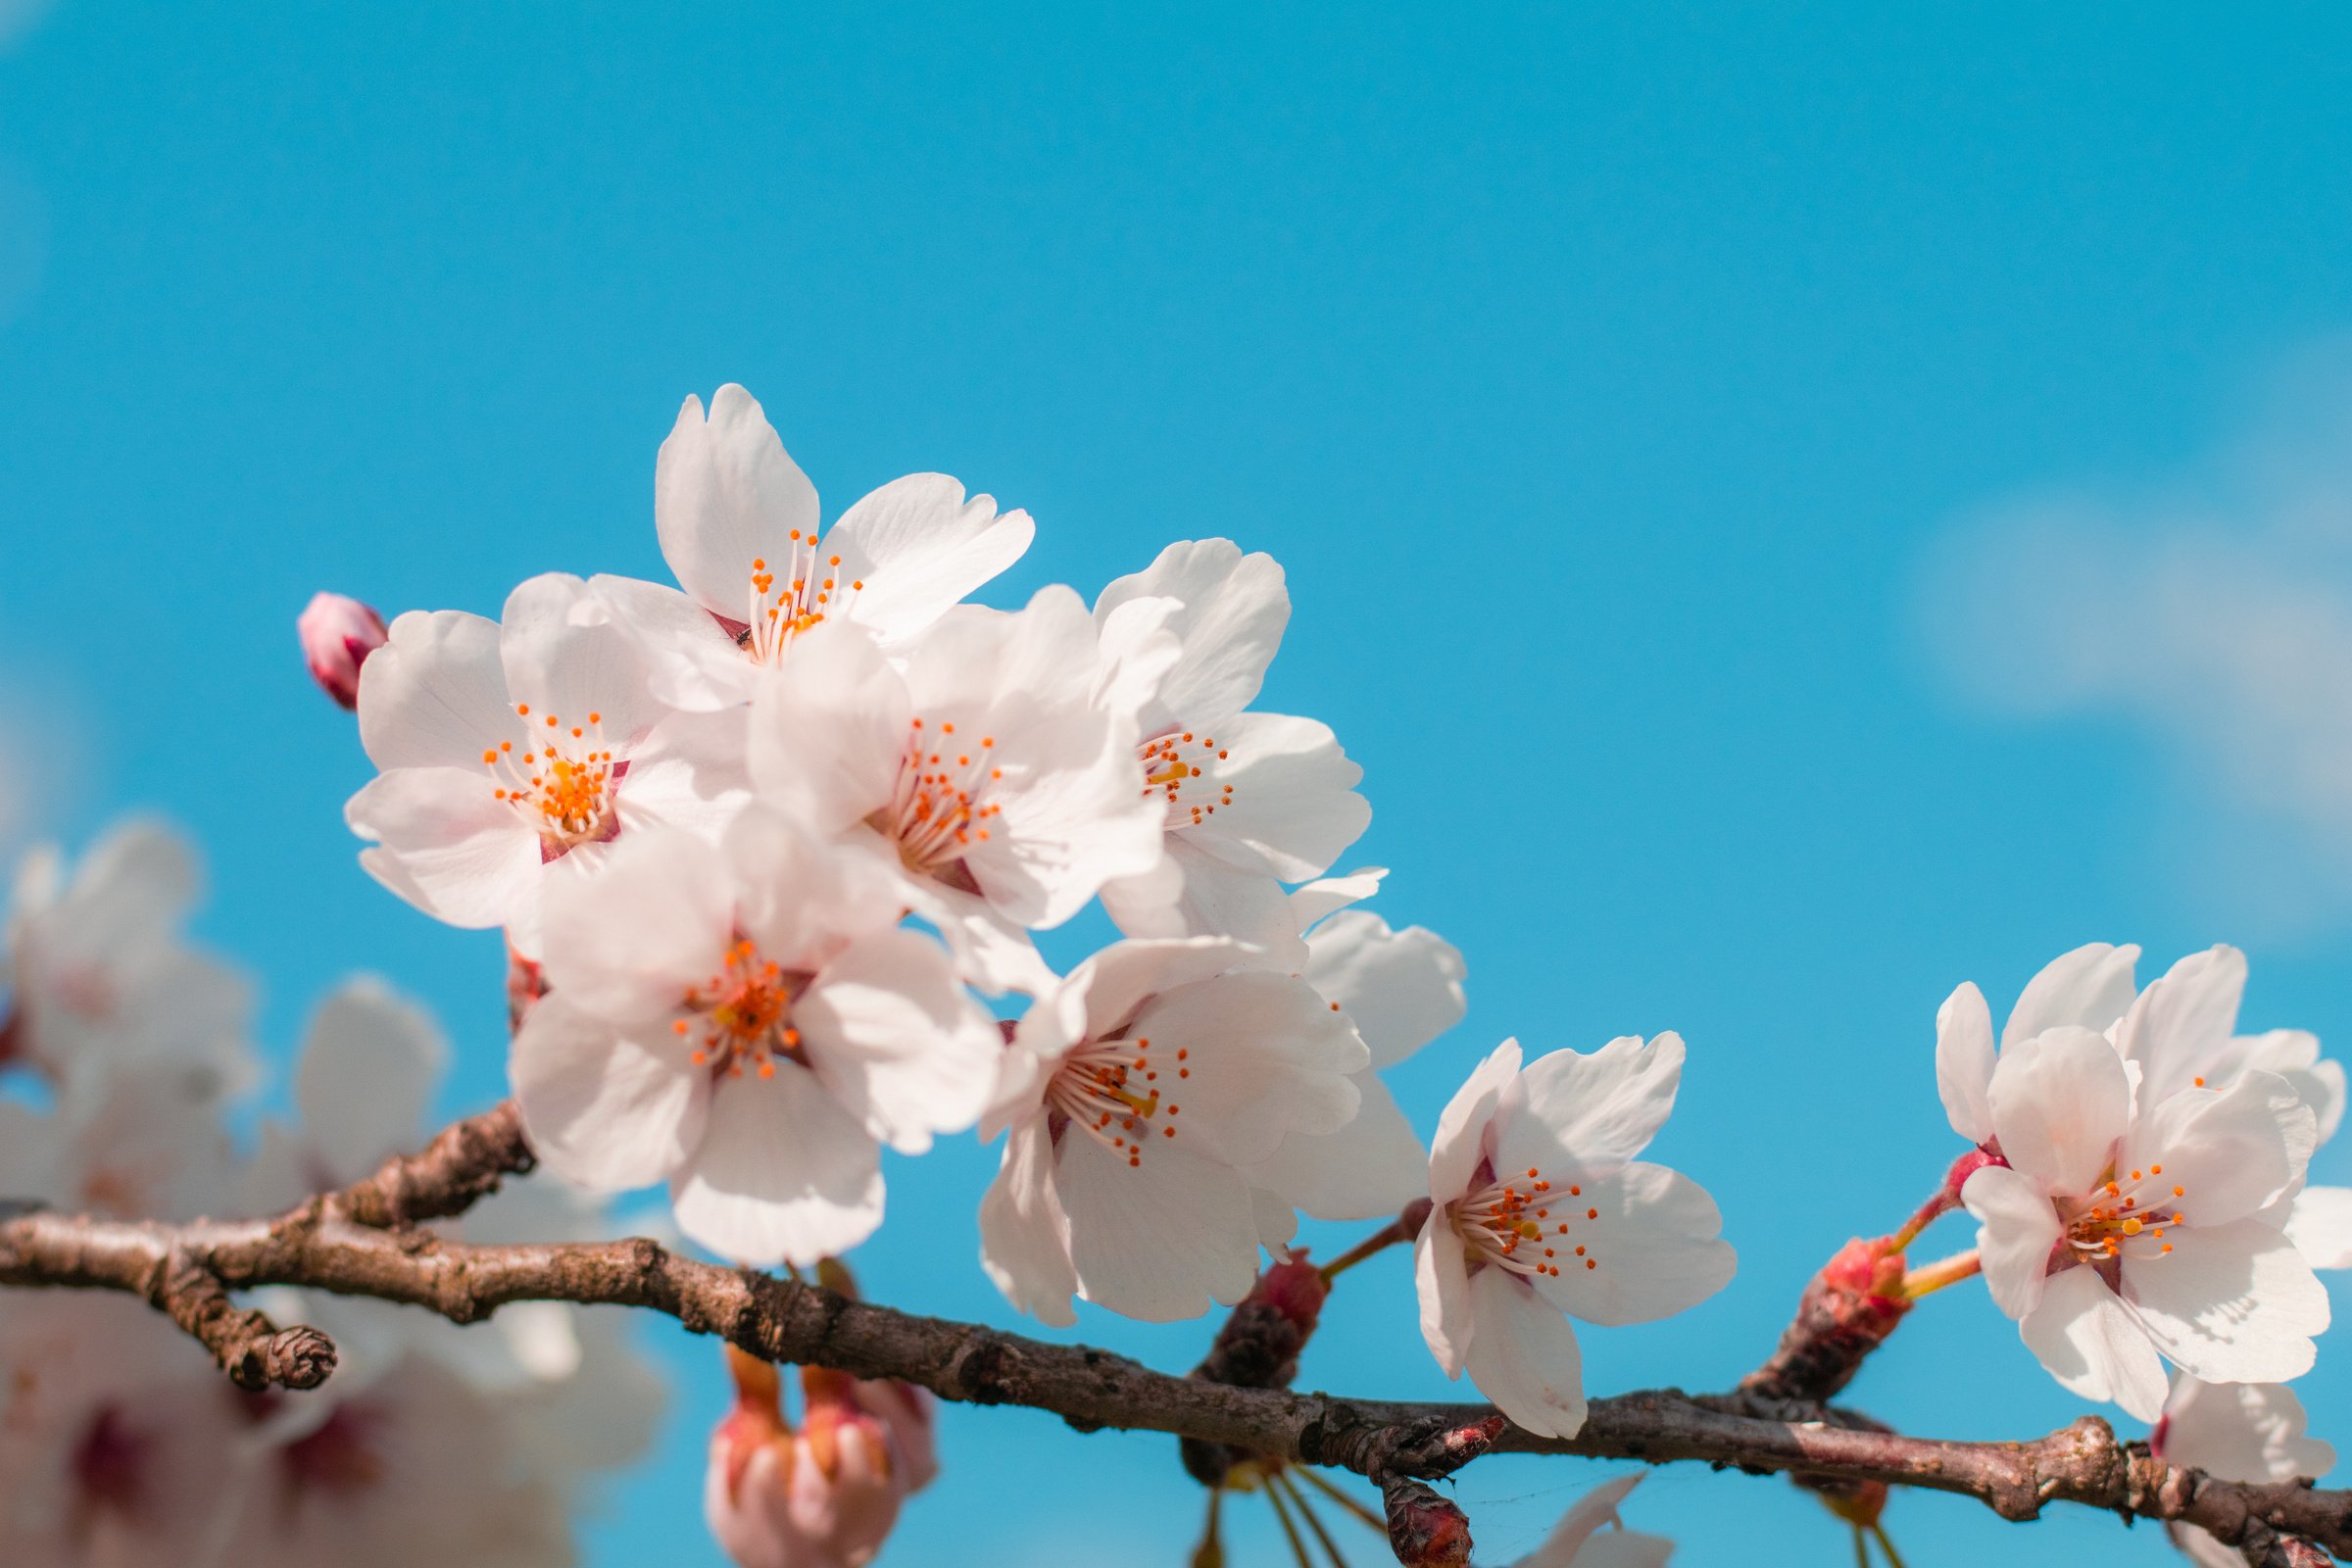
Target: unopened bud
x,y
337,636
1967,1165
909,1412
1846,1312
1425,1530
823,1497
1258,1347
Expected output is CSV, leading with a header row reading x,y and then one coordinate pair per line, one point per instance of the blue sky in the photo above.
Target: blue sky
x,y
1666,415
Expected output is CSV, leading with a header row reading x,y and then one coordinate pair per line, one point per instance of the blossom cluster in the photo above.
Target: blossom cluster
x,y
124,1059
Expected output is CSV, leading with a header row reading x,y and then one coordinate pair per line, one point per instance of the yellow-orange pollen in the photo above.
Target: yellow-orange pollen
x,y
1524,1224
793,595
740,1020
1182,767
1120,1093
560,782
2131,1209
941,811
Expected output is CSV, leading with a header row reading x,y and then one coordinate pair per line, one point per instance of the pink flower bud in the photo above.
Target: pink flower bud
x,y
1425,1530
337,636
823,1497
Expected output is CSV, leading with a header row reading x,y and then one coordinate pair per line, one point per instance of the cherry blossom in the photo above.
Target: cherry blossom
x,y
825,1497
337,636
2089,988
984,758
127,1142
1401,990
749,1022
1584,1539
508,746
2122,1232
2234,1432
99,974
1134,1093
1250,799
738,524
1540,1210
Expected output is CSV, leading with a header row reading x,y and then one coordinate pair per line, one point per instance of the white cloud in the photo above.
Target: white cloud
x,y
2213,608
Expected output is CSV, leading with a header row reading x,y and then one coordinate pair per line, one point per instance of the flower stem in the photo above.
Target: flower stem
x,y
1283,1513
1315,1479
1210,1553
1403,1228
1944,1271
1893,1558
1861,1548
1299,1500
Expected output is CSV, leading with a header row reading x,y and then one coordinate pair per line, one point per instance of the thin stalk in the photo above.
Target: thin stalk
x,y
1403,1228
1297,1546
1895,1558
1861,1548
1298,1500
1210,1553
1315,1479
1944,1271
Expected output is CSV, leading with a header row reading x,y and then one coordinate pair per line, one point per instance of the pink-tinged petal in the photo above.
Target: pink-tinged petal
x,y
434,695
1024,1235
2230,1151
1964,1059
1193,892
1597,1508
370,1062
2319,1224
1569,1110
1319,900
604,1110
2242,1432
628,939
1231,610
2228,1304
2089,1343
691,661
803,896
2060,1103
2017,1226
1524,1356
1460,1141
2294,1055
688,773
566,656
783,1174
1402,988
2088,988
1441,1280
726,494
828,728
1162,1240
1293,800
920,546
1368,1169
2181,1024
448,845
1262,1056
993,951
1642,1244
900,1043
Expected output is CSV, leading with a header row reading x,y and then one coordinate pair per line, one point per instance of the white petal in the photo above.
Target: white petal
x,y
1523,1357
1232,612
2016,1227
1024,1235
1626,1548
689,772
1161,1241
2088,1342
1964,1059
369,1064
1651,1247
434,695
2294,1055
1460,1141
828,728
627,939
1442,1281
1293,799
2086,989
1312,901
1592,1510
1370,1169
1402,988
692,662
919,547
783,1175
2319,1224
604,1110
2242,1432
2232,1151
2181,1024
898,1040
1593,1112
1193,892
448,845
567,657
726,494
2060,1101
1264,1056
2229,1304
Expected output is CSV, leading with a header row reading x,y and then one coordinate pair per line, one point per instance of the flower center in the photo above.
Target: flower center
x,y
1521,1224
2129,1209
1109,1088
788,602
562,783
1182,768
741,1018
941,809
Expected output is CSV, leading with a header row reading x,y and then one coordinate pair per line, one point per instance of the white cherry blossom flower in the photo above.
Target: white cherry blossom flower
x,y
1539,1208
738,523
2234,1432
1251,801
99,974
1135,1093
1583,1540
508,746
749,1022
1401,990
982,758
2089,988
2122,1232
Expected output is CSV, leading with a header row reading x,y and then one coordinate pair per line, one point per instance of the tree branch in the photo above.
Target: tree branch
x,y
187,1270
